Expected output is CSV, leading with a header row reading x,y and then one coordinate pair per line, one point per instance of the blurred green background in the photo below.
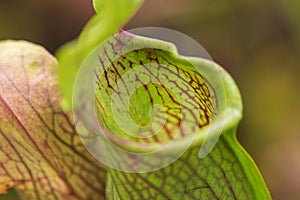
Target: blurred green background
x,y
257,41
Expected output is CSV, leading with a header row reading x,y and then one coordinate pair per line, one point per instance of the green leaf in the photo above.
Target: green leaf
x,y
40,154
98,5
111,16
195,106
42,157
227,172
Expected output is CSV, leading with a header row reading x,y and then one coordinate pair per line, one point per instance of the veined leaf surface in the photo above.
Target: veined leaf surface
x,y
110,17
40,153
130,85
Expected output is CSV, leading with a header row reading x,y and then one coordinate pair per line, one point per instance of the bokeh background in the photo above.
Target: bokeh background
x,y
257,41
